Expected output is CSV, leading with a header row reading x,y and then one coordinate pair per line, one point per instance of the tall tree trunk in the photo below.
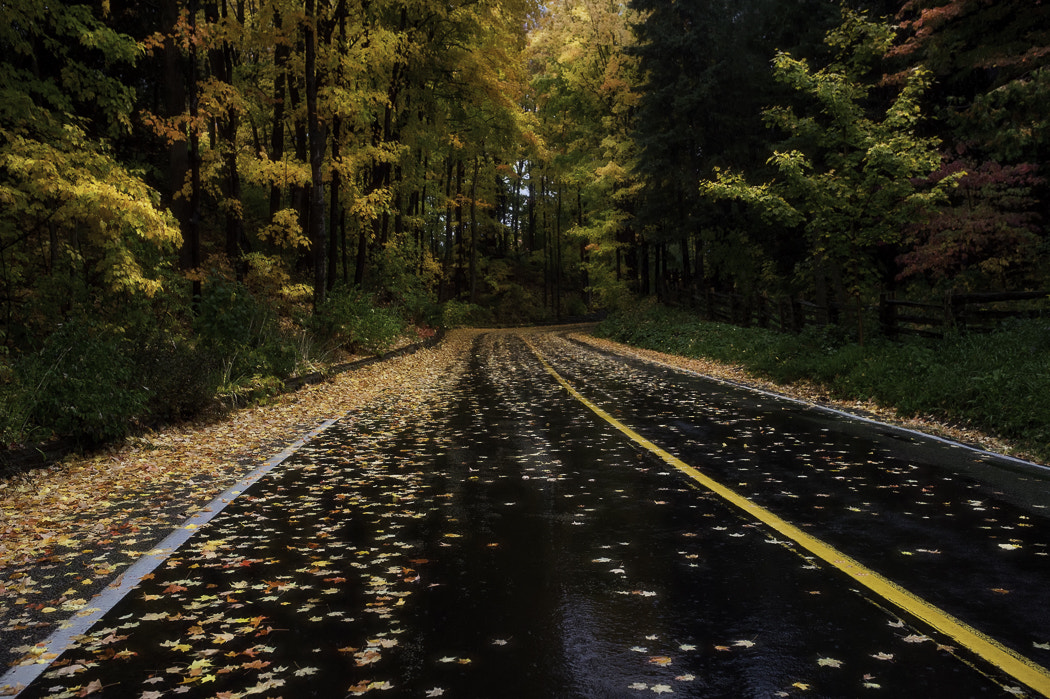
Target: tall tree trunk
x,y
643,268
191,235
448,255
299,197
460,229
317,146
687,272
546,239
333,216
557,257
281,53
474,231
530,242
226,127
362,253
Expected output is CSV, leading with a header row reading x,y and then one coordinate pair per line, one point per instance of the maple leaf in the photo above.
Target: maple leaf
x,y
915,638
366,657
435,692
882,656
90,688
829,662
662,689
660,660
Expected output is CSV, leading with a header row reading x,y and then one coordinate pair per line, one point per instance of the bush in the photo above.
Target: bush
x,y
181,378
81,384
459,314
352,319
242,333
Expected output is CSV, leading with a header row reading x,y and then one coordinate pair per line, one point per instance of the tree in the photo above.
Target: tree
x,y
987,235
992,66
79,230
706,79
845,175
585,81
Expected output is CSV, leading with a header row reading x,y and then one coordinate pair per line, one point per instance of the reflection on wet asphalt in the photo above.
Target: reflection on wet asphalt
x,y
497,540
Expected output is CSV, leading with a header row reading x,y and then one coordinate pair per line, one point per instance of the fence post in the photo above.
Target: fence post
x,y
952,319
887,315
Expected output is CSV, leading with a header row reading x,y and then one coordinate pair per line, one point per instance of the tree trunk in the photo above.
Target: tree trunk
x,y
333,216
556,259
317,147
474,232
281,53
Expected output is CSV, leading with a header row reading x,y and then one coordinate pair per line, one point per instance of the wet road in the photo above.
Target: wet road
x,y
497,538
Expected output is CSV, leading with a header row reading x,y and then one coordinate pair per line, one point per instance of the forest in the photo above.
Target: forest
x,y
202,198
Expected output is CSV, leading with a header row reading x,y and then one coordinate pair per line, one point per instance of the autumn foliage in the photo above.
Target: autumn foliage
x,y
243,191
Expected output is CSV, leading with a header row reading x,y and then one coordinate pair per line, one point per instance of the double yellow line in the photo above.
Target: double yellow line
x,y
1012,663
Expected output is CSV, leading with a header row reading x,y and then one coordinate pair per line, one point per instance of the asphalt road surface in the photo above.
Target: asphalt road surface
x,y
563,522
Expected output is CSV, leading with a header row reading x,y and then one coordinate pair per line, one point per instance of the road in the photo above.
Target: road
x,y
559,521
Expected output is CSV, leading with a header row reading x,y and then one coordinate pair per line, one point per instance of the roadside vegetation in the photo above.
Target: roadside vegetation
x,y
997,383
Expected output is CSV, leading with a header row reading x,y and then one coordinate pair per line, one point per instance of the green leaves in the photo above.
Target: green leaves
x,y
845,174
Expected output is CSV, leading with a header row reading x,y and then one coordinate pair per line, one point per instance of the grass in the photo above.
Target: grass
x,y
997,383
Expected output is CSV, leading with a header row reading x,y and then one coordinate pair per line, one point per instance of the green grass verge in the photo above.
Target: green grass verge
x,y
998,383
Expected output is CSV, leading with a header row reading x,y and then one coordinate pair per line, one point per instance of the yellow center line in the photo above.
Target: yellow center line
x,y
1009,661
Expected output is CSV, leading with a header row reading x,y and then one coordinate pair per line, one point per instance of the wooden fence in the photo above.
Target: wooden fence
x,y
960,312
957,312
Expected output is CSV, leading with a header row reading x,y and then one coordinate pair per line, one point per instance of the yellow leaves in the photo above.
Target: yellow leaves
x,y
284,230
80,187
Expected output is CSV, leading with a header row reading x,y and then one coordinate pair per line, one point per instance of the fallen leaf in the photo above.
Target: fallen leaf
x,y
90,688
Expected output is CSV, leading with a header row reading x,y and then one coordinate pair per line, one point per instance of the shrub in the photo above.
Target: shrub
x,y
459,314
242,332
181,378
351,318
81,383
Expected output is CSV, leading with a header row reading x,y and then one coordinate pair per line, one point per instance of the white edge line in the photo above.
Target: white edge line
x,y
20,676
843,413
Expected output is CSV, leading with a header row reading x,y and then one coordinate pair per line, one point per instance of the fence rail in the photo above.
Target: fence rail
x,y
967,312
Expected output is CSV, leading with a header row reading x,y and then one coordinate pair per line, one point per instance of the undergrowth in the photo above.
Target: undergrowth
x,y
998,383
